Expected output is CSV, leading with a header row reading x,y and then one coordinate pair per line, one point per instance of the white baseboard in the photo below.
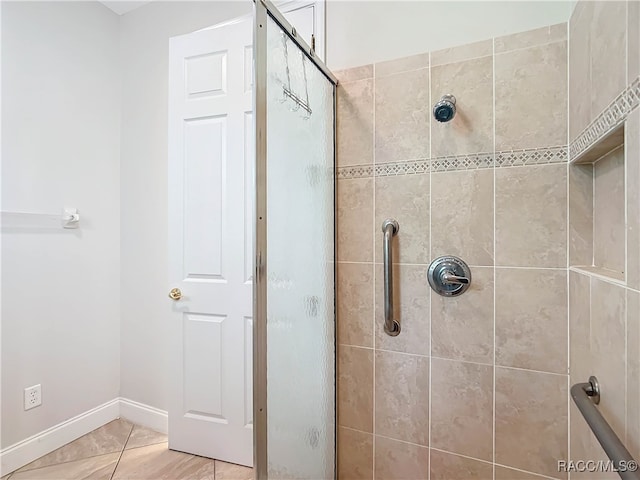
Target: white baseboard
x,y
20,454
144,415
24,452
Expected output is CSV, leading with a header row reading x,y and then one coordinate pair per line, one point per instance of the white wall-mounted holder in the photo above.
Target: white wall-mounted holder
x,y
69,219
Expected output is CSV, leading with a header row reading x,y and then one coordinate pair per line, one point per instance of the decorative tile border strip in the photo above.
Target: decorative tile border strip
x,y
413,167
531,156
401,168
610,118
473,161
359,171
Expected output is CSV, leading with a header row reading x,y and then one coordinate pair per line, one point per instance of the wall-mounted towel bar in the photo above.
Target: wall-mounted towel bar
x,y
70,218
389,229
586,396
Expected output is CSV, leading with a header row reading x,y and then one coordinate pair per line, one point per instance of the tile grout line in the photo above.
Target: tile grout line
x,y
504,267
430,290
60,463
508,267
130,449
533,371
593,213
64,462
569,243
471,362
493,439
402,441
537,45
568,240
448,452
349,82
400,72
626,249
373,248
526,471
122,452
488,462
464,59
626,366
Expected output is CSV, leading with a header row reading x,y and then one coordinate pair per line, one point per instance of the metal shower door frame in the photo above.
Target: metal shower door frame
x,y
263,10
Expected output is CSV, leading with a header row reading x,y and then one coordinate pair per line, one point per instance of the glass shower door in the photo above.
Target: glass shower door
x,y
294,389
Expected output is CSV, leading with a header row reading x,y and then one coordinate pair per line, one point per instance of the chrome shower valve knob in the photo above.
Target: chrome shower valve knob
x,y
449,276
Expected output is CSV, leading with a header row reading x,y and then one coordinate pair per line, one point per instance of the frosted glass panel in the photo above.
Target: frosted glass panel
x,y
300,256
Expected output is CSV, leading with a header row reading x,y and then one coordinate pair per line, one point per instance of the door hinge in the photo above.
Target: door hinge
x,y
258,265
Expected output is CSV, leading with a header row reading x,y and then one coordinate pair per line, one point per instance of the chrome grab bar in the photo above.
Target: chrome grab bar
x,y
390,228
586,396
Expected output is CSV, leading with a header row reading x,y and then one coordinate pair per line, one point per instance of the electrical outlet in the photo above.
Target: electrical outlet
x,y
32,397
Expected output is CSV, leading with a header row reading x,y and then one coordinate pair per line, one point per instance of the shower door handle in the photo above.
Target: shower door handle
x,y
390,228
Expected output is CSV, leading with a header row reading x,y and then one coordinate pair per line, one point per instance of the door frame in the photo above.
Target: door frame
x,y
264,9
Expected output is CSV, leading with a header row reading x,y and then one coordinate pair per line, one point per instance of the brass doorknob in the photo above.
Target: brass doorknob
x,y
175,294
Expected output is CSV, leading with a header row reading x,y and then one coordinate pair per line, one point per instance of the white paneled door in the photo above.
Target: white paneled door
x,y
211,203
211,158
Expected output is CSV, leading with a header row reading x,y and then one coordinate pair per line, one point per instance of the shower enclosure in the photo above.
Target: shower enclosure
x,y
294,292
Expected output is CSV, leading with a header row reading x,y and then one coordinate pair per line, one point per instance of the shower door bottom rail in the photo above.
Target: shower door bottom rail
x,y
586,396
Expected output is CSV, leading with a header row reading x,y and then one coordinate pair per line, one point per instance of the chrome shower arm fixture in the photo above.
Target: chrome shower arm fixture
x,y
445,109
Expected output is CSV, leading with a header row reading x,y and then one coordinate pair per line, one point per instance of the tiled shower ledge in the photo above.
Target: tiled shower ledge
x,y
601,273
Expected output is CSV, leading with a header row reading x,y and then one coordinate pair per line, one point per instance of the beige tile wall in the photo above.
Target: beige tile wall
x,y
608,212
457,394
604,313
604,323
598,60
632,190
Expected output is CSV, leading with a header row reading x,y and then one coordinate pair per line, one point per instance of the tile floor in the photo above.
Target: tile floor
x,y
121,450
